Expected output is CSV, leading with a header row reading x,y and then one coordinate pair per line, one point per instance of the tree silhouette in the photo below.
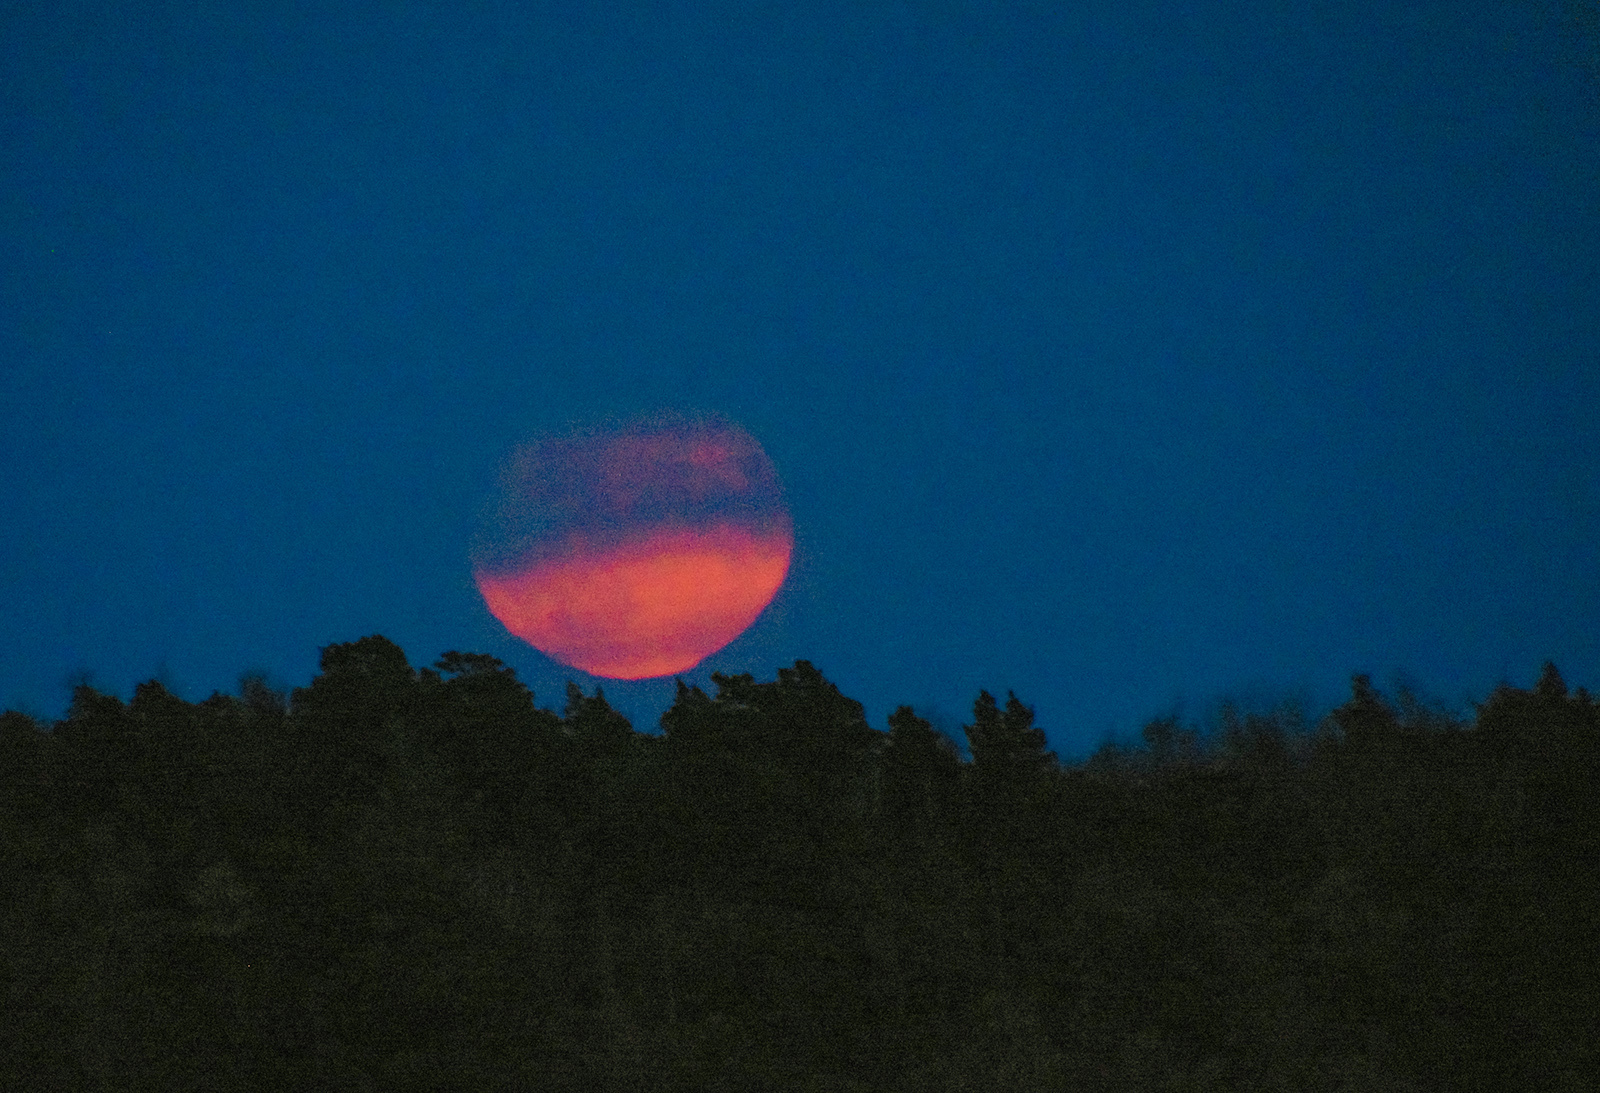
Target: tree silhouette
x,y
482,726
354,711
401,875
1367,720
921,777
594,725
24,771
1007,750
791,758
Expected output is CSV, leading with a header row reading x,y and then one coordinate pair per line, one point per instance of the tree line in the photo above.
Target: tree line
x,y
400,878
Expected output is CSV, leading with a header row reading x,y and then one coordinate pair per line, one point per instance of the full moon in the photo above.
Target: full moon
x,y
635,552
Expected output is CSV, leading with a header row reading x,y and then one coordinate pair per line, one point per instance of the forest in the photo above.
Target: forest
x,y
414,879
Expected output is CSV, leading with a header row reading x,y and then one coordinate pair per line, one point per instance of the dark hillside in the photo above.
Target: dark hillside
x,y
402,878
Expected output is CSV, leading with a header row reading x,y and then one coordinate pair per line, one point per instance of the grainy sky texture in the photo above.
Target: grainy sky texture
x,y
1122,354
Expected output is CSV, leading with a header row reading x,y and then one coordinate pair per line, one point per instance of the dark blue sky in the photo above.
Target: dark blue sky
x,y
1122,354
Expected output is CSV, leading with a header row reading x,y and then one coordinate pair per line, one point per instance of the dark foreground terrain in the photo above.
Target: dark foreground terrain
x,y
397,879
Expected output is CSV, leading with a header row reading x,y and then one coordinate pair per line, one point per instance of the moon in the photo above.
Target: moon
x,y
635,552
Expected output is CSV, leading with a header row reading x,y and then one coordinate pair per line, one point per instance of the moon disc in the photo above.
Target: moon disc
x,y
635,553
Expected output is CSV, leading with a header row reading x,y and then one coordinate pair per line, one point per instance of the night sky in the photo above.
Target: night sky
x,y
1126,355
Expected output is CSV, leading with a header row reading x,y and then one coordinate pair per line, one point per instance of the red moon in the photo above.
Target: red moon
x,y
639,553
